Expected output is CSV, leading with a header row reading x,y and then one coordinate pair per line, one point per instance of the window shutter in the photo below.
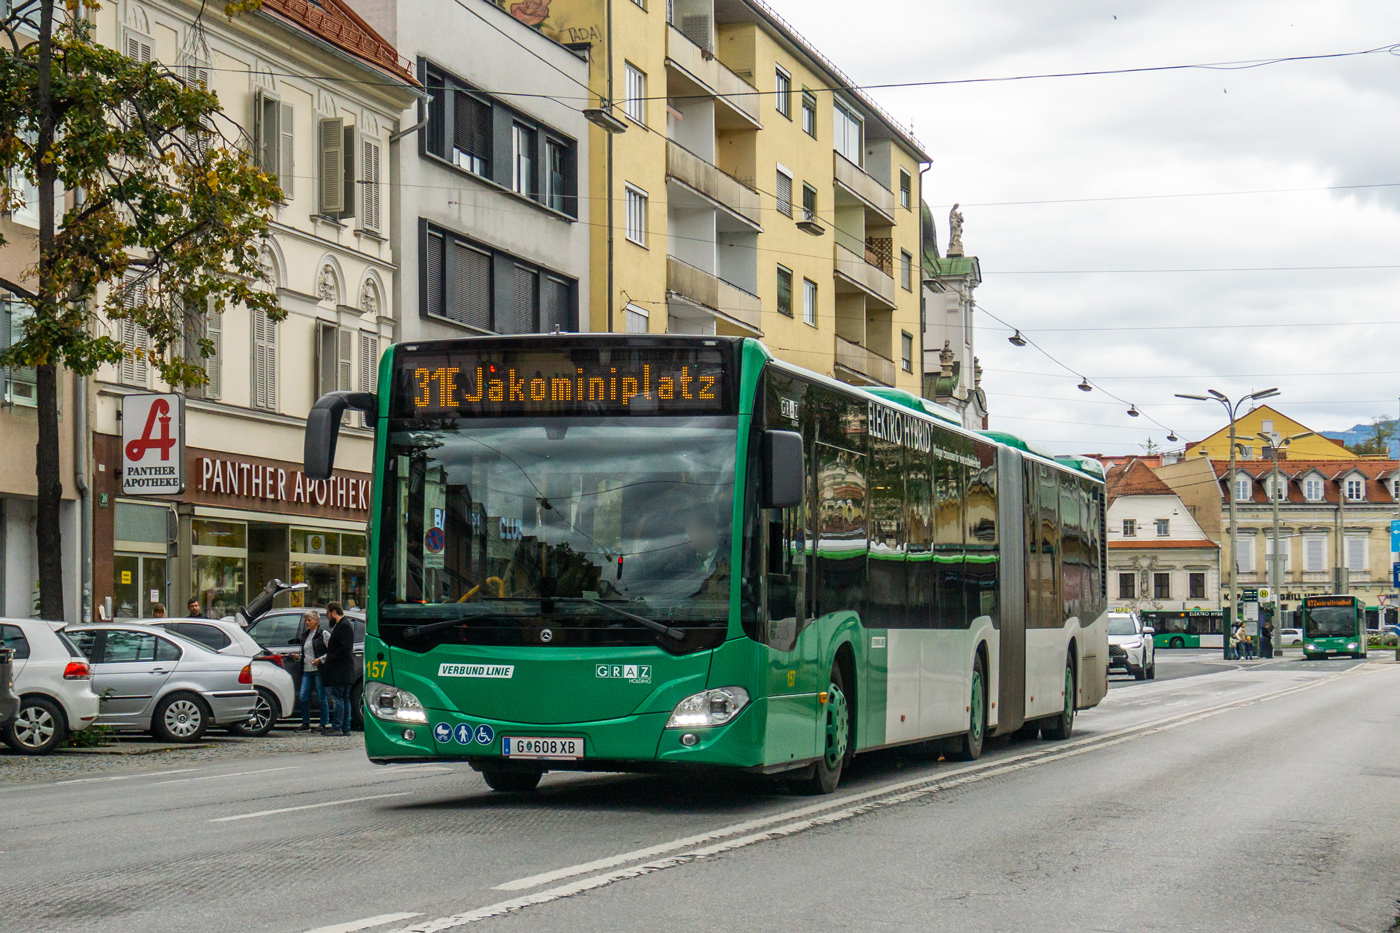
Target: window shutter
x,y
471,288
138,47
214,362
527,288
350,178
369,362
1314,554
285,163
1245,560
194,330
346,340
555,306
259,131
264,361
436,286
327,353
784,194
369,171
331,164
472,129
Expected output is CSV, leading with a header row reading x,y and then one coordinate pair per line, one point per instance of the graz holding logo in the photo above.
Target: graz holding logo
x,y
633,673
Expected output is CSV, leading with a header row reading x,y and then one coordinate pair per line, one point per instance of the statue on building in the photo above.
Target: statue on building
x,y
945,359
976,372
955,228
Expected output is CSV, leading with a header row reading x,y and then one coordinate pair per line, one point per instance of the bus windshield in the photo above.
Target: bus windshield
x,y
511,518
1330,622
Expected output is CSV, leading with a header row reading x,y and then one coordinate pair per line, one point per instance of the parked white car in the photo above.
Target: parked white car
x,y
158,682
1292,636
1130,645
277,692
54,683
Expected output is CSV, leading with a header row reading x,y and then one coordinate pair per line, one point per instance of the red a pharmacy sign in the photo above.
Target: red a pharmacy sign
x,y
153,445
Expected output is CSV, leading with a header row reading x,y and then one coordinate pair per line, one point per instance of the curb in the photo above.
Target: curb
x,y
135,749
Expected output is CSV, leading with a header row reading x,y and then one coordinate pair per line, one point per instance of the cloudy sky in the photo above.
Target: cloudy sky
x,y
1296,125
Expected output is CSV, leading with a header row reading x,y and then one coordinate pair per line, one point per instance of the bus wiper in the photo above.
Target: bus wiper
x,y
414,631
657,627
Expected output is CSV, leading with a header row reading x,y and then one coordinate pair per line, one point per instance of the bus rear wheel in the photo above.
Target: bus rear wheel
x,y
1178,643
510,780
968,747
1062,726
826,773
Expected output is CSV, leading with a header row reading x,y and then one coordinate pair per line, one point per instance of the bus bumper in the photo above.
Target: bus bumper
x,y
632,743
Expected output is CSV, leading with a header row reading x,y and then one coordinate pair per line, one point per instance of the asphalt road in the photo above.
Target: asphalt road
x,y
1264,798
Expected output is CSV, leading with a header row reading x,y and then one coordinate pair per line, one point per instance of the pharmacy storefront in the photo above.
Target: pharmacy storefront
x,y
240,522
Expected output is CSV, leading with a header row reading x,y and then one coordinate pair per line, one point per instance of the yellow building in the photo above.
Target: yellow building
x,y
1266,420
739,193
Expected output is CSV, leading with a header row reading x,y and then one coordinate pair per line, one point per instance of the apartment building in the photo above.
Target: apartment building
x,y
1159,557
490,230
321,95
738,190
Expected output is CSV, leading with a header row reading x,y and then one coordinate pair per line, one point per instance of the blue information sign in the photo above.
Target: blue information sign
x,y
1395,576
1395,537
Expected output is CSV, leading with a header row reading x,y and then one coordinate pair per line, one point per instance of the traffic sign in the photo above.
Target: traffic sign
x,y
1395,575
1395,536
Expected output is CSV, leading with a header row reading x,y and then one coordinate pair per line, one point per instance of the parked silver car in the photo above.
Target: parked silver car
x,y
157,682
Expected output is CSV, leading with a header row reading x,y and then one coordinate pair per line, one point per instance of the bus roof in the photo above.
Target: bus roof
x,y
1011,440
911,401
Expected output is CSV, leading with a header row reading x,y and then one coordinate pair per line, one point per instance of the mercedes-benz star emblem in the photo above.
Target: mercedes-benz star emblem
x,y
547,635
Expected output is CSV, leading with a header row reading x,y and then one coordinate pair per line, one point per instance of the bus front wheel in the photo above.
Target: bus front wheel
x,y
826,773
968,747
1178,643
510,780
1062,725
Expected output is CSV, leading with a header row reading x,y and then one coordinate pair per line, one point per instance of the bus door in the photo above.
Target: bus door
x,y
1011,706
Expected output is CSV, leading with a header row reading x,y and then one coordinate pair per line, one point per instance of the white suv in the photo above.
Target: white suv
x,y
1130,645
54,684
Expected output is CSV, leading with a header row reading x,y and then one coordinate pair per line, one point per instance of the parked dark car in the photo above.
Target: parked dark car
x,y
282,632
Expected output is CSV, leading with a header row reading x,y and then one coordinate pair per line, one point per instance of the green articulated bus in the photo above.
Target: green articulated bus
x,y
637,553
1333,625
1190,628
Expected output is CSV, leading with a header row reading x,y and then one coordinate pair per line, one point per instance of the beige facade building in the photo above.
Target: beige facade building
x,y
1159,556
311,81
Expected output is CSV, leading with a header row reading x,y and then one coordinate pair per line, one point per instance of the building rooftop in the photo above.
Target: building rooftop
x,y
1377,474
334,22
1135,478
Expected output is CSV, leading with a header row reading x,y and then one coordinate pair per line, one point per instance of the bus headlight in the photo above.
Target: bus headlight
x,y
394,705
1351,646
1310,647
711,708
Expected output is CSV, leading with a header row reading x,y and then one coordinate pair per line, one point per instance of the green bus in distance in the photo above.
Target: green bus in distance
x,y
1333,625
639,553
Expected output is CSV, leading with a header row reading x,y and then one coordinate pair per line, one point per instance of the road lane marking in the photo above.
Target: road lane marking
x,y
355,925
872,800
211,777
308,806
636,855
123,777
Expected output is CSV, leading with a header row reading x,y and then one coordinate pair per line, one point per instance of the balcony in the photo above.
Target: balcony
x,y
864,188
714,185
734,310
713,77
863,363
866,276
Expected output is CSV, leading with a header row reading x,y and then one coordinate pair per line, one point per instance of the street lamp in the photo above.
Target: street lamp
x,y
1275,562
1232,411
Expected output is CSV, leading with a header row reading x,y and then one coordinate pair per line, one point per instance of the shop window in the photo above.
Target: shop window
x,y
219,534
353,545
219,584
322,543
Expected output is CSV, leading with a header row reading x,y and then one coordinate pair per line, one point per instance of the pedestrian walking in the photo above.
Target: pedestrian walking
x,y
1237,641
1266,640
192,610
338,668
313,650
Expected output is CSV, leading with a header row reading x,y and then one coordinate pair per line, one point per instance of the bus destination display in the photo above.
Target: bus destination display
x,y
1325,602
516,382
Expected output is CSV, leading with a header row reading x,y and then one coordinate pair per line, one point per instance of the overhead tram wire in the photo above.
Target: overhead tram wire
x,y
1165,197
1240,65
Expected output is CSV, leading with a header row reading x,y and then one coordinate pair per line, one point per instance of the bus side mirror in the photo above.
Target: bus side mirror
x,y
323,428
784,476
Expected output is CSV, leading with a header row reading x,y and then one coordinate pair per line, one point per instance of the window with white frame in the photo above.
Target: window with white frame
x,y
1285,551
850,134
522,146
369,368
1244,561
1277,486
906,190
782,92
135,366
200,327
1312,489
18,381
1130,528
635,106
809,113
638,320
1356,489
906,351
371,180
1314,553
784,290
809,302
1164,527
784,192
1395,488
27,213
1356,553
334,346
1244,488
906,269
637,215
273,140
